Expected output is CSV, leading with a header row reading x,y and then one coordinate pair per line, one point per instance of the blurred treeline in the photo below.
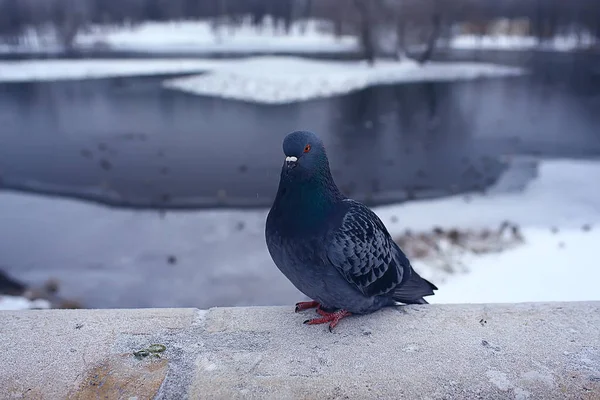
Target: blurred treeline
x,y
379,24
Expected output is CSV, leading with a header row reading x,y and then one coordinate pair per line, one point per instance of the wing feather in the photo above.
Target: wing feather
x,y
362,250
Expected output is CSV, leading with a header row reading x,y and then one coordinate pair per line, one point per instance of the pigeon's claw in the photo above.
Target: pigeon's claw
x,y
322,312
333,318
305,305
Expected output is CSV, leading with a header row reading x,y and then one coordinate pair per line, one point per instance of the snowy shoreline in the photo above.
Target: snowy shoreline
x,y
305,36
130,258
521,43
308,36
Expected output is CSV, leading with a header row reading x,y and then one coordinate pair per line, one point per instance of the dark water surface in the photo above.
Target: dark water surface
x,y
129,141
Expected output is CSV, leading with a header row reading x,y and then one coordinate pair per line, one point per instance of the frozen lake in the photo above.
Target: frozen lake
x,y
129,141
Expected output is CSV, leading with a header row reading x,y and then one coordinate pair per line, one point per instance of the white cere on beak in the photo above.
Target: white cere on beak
x,y
291,159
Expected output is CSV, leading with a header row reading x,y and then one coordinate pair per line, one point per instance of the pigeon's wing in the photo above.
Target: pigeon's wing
x,y
362,250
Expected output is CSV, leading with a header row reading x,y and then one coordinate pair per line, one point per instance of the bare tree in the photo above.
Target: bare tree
x,y
410,22
366,12
436,28
415,21
70,17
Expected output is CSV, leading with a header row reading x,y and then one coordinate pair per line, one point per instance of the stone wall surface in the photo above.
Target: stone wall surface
x,y
486,351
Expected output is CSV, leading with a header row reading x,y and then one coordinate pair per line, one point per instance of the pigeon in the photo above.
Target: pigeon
x,y
334,249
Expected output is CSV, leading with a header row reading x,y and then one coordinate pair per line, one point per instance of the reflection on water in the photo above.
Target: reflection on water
x,y
128,141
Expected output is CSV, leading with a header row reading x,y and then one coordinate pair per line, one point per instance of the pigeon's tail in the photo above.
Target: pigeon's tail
x,y
414,289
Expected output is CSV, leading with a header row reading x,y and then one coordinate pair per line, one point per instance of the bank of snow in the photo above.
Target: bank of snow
x,y
306,36
122,258
195,37
515,42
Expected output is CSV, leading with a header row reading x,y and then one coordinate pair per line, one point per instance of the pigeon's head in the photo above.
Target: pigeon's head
x,y
304,155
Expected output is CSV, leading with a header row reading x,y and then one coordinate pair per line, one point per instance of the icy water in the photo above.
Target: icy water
x,y
130,142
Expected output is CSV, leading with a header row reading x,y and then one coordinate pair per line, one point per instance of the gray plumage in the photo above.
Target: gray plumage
x,y
333,249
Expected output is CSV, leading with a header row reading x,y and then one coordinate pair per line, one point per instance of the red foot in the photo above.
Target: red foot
x,y
333,318
305,305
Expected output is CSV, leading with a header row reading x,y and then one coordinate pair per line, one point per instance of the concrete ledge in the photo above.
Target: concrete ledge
x,y
513,351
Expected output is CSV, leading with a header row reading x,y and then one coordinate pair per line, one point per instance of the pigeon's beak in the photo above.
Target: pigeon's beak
x,y
291,162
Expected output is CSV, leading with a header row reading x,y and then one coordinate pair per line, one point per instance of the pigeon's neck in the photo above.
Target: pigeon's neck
x,y
308,202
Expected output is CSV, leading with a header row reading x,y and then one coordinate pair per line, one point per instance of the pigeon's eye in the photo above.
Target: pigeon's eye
x,y
307,148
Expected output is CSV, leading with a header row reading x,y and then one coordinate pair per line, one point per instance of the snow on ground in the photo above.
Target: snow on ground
x,y
199,37
306,36
560,199
506,42
122,258
277,80
270,80
549,267
561,195
21,303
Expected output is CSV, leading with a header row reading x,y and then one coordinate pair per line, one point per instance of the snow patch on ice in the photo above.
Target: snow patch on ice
x,y
279,80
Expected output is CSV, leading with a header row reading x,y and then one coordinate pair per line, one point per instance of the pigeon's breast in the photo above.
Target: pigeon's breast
x,y
297,253
302,261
